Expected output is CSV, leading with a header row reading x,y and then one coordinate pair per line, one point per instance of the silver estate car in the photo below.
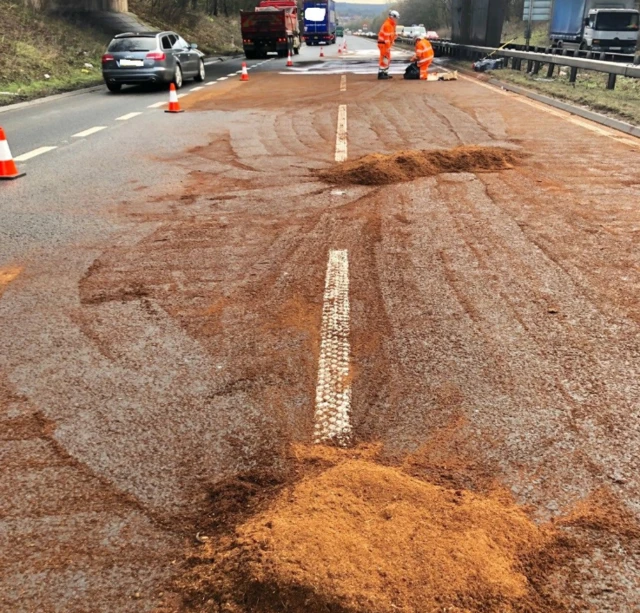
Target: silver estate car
x,y
151,57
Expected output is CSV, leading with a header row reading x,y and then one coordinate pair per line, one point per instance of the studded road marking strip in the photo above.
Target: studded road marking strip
x,y
341,135
343,83
333,392
128,116
31,154
88,132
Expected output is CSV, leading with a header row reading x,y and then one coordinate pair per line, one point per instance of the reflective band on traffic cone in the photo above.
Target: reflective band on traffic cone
x,y
174,105
289,60
8,168
245,75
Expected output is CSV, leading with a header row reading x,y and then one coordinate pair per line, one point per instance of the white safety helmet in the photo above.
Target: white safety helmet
x,y
394,14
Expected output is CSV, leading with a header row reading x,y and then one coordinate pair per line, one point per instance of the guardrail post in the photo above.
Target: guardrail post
x,y
536,67
550,71
573,74
611,83
529,66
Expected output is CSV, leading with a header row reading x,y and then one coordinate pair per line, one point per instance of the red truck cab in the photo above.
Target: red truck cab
x,y
272,27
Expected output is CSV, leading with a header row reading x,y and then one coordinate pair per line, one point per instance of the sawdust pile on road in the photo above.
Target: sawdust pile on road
x,y
383,169
355,536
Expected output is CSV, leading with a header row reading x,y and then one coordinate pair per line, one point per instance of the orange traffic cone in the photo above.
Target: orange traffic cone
x,y
8,168
245,75
339,49
289,60
344,46
321,51
174,105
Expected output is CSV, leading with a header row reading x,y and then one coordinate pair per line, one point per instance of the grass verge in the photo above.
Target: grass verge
x,y
213,35
41,55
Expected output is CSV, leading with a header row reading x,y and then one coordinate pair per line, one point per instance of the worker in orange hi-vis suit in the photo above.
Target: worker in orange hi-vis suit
x,y
423,56
386,38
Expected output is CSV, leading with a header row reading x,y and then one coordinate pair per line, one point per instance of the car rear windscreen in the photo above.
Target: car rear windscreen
x,y
142,43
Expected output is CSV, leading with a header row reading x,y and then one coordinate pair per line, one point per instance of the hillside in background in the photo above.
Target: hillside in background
x,y
351,8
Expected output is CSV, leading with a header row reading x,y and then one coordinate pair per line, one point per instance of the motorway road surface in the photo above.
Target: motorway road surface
x,y
161,296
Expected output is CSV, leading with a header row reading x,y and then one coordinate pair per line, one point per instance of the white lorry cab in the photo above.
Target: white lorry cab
x,y
599,25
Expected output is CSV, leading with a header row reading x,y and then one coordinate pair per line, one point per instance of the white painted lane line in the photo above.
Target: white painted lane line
x,y
211,83
128,116
88,132
343,83
341,134
156,105
183,95
195,89
222,78
31,154
232,74
333,391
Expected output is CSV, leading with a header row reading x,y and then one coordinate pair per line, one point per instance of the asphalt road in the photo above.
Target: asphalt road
x,y
165,288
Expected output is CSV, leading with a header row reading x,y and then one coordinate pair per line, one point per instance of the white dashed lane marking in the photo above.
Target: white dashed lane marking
x,y
31,154
88,132
156,105
333,392
128,116
195,89
341,134
343,83
222,78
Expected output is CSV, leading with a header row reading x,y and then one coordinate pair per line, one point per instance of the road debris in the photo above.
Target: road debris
x,y
354,535
382,169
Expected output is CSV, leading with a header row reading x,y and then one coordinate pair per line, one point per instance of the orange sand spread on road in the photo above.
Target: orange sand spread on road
x,y
382,169
353,535
7,275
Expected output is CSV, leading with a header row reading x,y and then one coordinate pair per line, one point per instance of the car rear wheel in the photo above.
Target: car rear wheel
x,y
201,72
114,87
177,77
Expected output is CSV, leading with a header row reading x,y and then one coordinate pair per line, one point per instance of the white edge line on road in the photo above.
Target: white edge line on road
x,y
341,134
183,95
222,78
156,105
211,83
195,89
343,83
31,154
232,74
88,132
333,391
128,116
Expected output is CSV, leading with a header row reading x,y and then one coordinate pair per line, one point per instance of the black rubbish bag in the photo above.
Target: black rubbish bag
x,y
412,71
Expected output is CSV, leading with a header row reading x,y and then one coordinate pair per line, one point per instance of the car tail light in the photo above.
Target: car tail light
x,y
156,55
107,58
